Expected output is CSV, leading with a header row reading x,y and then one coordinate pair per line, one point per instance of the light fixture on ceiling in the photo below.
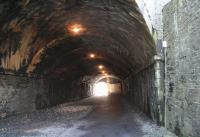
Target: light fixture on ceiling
x,y
92,55
103,71
76,29
100,66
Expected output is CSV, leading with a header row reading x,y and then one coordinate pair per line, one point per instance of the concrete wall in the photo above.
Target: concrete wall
x,y
25,94
182,33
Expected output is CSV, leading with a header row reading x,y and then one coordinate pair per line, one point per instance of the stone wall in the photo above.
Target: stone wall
x,y
182,33
139,90
20,94
152,12
24,94
145,89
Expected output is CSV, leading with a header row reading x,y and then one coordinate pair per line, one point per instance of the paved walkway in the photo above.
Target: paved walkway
x,y
93,117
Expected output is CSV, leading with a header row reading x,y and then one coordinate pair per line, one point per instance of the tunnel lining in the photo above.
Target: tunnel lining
x,y
116,31
119,48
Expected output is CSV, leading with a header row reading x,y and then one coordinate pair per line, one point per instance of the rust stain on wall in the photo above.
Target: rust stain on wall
x,y
15,60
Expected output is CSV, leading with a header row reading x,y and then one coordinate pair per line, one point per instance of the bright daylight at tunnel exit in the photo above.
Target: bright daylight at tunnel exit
x,y
99,68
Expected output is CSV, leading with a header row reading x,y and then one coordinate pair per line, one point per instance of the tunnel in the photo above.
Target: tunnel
x,y
55,51
70,42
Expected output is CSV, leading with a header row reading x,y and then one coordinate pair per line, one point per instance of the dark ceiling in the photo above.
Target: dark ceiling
x,y
35,37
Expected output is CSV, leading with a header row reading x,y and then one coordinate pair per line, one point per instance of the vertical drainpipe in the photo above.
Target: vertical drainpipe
x,y
159,89
165,72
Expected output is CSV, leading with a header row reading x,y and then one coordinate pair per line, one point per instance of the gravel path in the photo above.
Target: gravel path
x,y
93,117
46,123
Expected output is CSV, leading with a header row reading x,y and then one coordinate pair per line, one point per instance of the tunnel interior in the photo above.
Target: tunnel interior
x,y
103,64
62,48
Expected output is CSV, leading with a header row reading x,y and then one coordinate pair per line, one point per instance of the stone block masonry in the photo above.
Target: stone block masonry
x,y
24,94
145,89
182,33
140,91
20,94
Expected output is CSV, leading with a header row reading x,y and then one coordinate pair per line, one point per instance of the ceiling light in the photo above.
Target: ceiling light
x,y
103,72
92,55
76,29
100,66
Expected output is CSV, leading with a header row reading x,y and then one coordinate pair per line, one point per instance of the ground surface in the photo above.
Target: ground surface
x,y
93,117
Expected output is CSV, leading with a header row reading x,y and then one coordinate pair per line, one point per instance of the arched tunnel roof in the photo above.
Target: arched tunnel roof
x,y
35,37
109,78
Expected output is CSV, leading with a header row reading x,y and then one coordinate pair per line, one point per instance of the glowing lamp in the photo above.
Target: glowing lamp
x,y
92,55
76,29
103,72
100,67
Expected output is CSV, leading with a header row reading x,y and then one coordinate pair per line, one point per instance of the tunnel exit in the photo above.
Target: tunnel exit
x,y
101,89
94,68
106,89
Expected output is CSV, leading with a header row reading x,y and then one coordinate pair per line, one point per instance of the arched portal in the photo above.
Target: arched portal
x,y
60,46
